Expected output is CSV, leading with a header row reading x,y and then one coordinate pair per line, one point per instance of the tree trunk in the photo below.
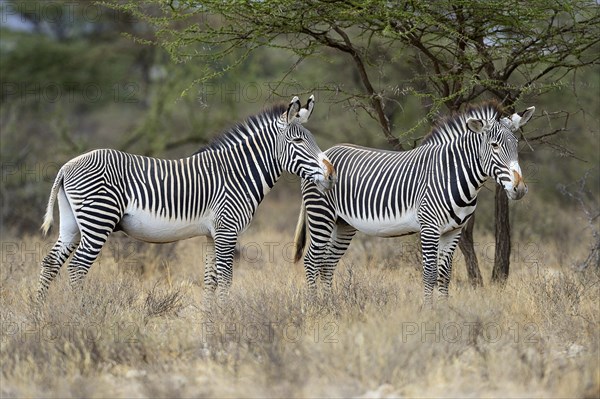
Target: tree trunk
x,y
467,248
502,256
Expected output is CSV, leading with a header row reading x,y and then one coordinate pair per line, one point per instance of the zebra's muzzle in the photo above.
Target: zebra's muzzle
x,y
518,189
327,178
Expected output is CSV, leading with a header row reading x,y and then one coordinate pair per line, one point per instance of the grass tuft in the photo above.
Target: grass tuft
x,y
140,327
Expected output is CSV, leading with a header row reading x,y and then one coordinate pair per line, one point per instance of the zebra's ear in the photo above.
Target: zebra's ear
x,y
293,108
475,125
305,113
519,119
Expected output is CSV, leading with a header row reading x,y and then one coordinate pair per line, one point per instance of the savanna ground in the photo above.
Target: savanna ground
x,y
140,328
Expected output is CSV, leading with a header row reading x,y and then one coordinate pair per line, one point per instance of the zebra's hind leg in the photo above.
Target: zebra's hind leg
x,y
68,239
97,221
86,253
447,246
341,236
52,264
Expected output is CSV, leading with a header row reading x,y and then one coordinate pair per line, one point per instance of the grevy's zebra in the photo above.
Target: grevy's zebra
x,y
432,189
214,193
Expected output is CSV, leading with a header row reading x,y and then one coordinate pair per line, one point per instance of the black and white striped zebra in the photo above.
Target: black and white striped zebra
x,y
431,189
214,193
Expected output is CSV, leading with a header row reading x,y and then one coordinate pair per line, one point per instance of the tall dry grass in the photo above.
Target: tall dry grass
x,y
140,327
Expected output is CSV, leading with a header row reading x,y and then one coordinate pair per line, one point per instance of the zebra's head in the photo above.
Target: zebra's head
x,y
299,154
499,151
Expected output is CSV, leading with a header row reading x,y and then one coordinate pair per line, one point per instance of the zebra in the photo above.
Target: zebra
x,y
212,193
431,189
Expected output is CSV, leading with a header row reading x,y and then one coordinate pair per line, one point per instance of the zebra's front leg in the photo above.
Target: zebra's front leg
x,y
447,246
320,222
210,271
312,259
340,240
210,274
316,257
429,247
224,251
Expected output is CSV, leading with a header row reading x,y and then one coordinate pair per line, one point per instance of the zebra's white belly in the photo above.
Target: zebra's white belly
x,y
390,227
146,226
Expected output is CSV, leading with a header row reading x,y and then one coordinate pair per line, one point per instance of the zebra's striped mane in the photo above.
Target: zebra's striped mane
x,y
240,131
455,125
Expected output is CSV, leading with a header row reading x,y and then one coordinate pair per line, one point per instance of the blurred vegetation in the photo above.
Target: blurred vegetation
x,y
76,83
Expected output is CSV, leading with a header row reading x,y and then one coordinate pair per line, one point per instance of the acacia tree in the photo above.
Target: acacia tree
x,y
460,51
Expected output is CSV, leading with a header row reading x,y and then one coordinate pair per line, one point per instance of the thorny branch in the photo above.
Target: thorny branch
x,y
581,194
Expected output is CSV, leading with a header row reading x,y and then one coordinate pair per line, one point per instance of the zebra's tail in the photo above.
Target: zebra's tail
x,y
300,235
48,217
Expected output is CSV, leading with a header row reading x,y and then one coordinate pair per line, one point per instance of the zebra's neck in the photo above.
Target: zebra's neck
x,y
251,162
465,155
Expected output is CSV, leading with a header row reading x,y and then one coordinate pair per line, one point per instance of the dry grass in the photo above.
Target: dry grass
x,y
140,327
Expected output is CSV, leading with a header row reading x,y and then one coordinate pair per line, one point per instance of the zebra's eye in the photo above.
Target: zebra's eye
x,y
297,140
495,146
